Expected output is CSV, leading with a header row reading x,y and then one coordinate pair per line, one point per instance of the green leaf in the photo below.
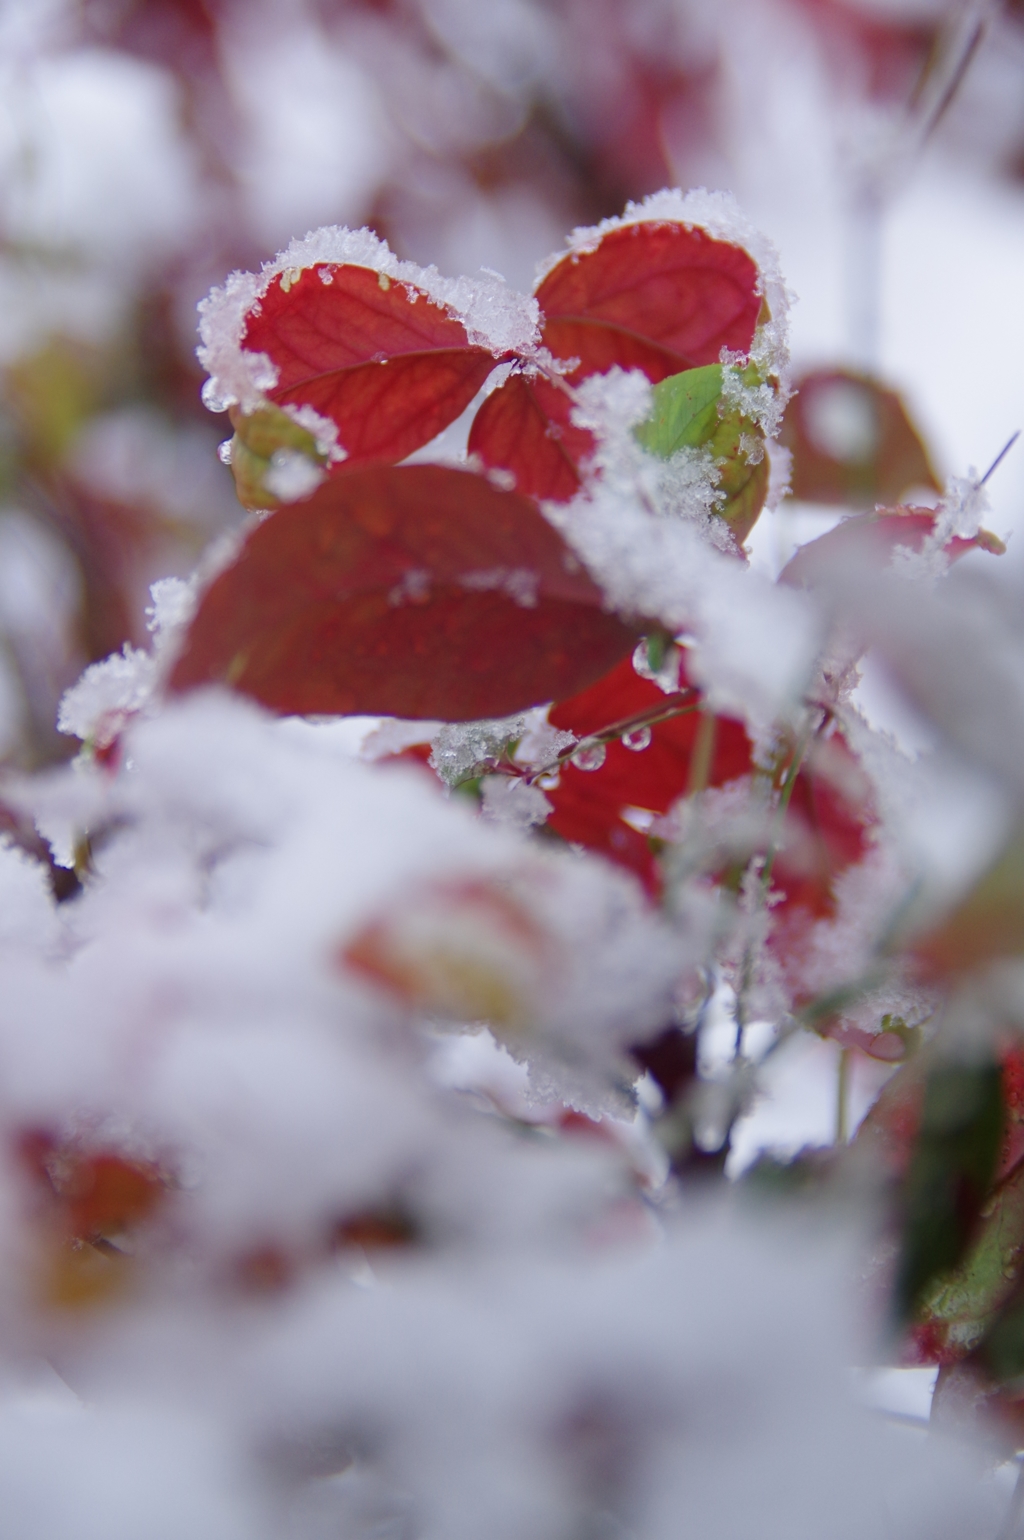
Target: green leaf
x,y
258,437
966,1301
685,411
950,1174
689,412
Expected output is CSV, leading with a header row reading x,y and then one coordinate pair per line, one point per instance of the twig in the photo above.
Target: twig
x,y
843,1097
1000,457
674,706
961,50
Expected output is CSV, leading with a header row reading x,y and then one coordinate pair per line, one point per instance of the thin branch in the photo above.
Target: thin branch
x,y
1000,457
843,1098
673,706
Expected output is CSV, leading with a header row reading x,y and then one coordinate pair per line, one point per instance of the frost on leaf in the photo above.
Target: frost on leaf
x,y
363,599
372,356
694,411
908,537
654,294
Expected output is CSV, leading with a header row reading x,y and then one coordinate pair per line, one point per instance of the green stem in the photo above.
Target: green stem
x,y
703,754
843,1097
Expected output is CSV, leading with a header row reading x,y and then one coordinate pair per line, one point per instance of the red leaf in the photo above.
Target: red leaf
x,y
657,296
663,283
874,537
416,591
525,424
389,367
852,441
588,804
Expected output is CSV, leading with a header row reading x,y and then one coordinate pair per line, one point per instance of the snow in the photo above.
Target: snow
x,y
107,694
111,692
647,532
460,746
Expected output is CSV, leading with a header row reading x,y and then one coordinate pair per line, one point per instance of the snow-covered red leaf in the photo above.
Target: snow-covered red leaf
x,y
873,537
466,949
375,357
658,295
412,591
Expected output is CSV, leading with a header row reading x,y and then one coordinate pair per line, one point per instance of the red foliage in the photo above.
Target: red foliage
x,y
390,368
852,441
656,296
872,538
589,804
827,823
415,591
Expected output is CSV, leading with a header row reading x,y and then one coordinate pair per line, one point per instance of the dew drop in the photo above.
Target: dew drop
x,y
225,453
637,740
667,676
212,400
590,755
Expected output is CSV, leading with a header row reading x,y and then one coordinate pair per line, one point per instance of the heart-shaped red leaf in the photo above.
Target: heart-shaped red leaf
x,y
416,591
664,283
657,295
524,428
374,356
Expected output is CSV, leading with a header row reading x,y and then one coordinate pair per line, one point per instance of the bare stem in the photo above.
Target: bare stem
x,y
843,1097
1000,457
674,706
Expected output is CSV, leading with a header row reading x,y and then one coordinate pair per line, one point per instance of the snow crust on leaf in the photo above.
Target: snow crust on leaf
x,y
684,486
460,746
957,517
495,317
512,803
117,688
107,694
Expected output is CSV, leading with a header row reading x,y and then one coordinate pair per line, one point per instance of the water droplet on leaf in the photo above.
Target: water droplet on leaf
x,y
590,755
638,739
211,399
